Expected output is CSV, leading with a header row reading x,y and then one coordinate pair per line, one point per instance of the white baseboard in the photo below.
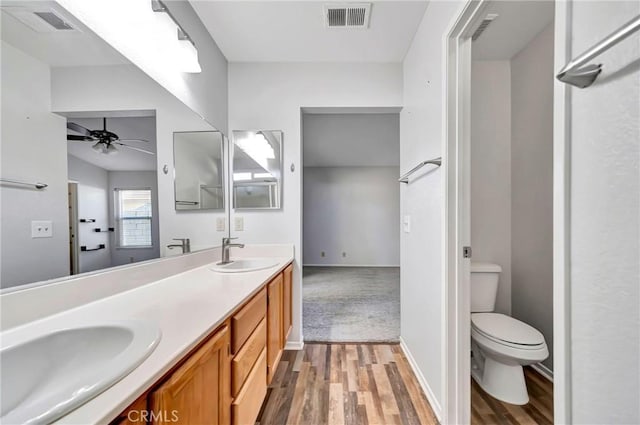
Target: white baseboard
x,y
352,265
431,397
294,345
543,370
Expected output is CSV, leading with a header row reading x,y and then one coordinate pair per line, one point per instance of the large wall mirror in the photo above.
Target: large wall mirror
x,y
257,169
85,179
199,170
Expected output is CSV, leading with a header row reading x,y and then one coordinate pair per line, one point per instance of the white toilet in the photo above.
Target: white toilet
x,y
500,344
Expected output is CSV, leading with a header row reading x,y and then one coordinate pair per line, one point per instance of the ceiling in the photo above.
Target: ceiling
x,y
125,159
288,31
79,47
351,140
518,22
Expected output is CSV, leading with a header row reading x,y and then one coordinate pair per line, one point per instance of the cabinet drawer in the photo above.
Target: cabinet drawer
x,y
245,321
246,406
245,359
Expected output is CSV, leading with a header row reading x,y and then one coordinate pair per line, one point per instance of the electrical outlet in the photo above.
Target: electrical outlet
x,y
238,224
322,254
42,229
220,224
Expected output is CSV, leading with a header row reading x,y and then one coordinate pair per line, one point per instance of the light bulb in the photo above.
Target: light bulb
x,y
97,147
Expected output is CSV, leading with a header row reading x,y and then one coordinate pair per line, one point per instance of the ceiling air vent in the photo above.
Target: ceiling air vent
x,y
351,15
483,26
38,18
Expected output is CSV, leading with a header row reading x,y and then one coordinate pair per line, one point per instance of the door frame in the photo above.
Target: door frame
x,y
456,147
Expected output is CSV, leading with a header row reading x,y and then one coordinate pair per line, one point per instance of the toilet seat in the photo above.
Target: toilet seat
x,y
506,330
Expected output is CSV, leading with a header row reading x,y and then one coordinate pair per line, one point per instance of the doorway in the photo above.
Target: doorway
x,y
351,226
500,200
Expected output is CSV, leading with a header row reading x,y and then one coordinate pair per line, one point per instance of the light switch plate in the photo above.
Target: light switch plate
x,y
238,224
220,224
42,229
406,224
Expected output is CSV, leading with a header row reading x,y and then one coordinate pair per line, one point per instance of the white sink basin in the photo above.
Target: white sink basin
x,y
244,265
46,377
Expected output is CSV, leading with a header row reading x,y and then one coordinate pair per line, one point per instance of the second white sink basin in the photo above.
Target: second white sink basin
x,y
243,265
46,377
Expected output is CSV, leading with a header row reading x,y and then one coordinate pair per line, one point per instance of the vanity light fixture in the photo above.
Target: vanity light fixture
x,y
258,148
188,54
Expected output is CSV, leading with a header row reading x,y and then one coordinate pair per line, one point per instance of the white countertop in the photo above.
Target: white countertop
x,y
186,307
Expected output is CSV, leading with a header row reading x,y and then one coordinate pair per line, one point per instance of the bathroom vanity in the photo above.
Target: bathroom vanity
x,y
224,380
222,334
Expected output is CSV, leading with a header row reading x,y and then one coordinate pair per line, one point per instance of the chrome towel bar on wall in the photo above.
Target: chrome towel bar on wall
x,y
576,74
435,161
37,185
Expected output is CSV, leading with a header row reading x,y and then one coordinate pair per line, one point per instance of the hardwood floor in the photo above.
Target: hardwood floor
x,y
487,410
345,384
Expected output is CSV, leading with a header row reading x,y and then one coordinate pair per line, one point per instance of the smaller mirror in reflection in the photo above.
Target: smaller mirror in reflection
x,y
199,170
257,169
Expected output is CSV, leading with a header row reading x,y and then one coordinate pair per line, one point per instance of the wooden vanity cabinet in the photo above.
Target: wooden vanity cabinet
x,y
199,391
287,304
224,380
275,344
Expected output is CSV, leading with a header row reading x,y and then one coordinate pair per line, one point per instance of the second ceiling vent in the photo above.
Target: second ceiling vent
x,y
347,15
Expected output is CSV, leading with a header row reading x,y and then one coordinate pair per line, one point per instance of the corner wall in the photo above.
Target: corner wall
x,y
491,113
532,186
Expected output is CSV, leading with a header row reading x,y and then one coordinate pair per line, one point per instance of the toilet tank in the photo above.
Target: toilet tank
x,y
484,286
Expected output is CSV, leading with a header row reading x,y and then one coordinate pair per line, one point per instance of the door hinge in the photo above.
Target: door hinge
x,y
466,252
228,349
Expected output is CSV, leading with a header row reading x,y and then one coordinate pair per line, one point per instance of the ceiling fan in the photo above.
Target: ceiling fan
x,y
104,141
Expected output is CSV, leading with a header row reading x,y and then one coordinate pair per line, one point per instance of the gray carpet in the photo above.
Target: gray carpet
x,y
351,304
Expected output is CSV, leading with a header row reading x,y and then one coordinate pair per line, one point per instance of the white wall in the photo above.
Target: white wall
x,y
270,96
134,180
532,186
93,203
205,92
491,170
421,138
33,150
354,210
605,222
123,88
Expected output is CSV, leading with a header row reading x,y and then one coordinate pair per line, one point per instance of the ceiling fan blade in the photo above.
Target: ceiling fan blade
x,y
78,128
134,148
133,140
76,138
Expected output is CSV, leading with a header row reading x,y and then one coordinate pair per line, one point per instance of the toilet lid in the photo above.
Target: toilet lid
x,y
504,328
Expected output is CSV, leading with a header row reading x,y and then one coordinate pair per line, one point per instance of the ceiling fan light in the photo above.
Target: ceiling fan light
x,y
110,150
97,147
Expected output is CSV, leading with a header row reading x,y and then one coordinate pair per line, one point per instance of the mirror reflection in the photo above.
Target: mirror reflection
x,y
199,170
79,118
257,169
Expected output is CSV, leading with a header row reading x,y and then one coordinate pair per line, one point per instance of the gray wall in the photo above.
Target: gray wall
x,y
355,210
605,222
532,186
93,203
491,170
32,149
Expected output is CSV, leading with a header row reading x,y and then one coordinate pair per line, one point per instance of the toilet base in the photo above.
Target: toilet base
x,y
502,381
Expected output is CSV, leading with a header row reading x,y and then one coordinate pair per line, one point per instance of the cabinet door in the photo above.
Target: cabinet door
x,y
274,325
287,305
199,391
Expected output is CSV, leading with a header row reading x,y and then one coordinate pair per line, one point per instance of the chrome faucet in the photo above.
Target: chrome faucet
x,y
185,244
226,244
